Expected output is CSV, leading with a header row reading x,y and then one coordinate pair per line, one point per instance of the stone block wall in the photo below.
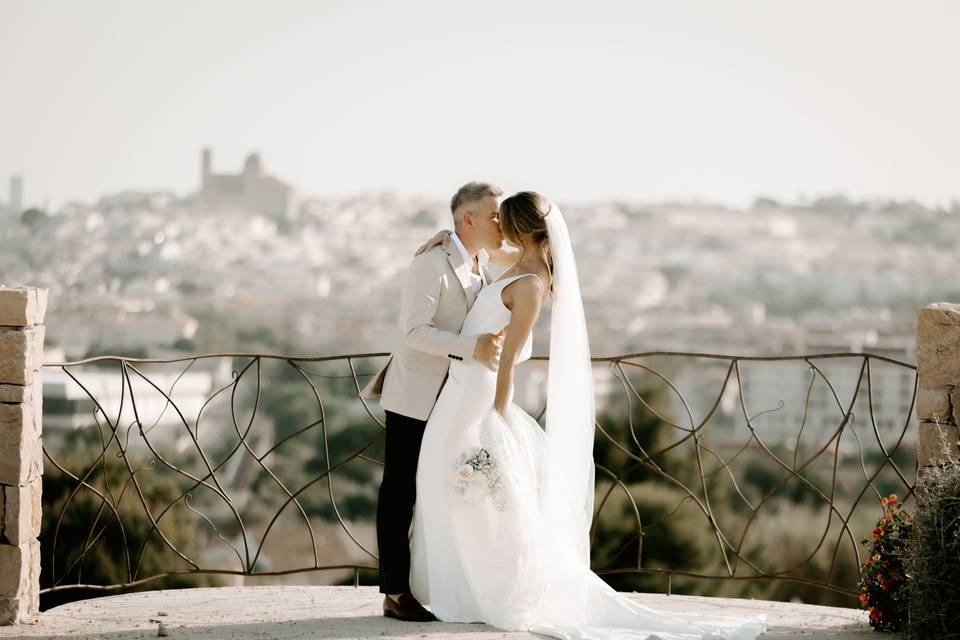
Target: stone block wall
x,y
938,385
21,450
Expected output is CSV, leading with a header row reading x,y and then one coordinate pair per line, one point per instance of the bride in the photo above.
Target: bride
x,y
504,507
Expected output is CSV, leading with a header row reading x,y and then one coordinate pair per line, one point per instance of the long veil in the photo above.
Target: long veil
x,y
580,606
567,482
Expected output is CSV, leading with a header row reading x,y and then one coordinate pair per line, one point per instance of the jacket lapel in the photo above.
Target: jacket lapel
x,y
462,269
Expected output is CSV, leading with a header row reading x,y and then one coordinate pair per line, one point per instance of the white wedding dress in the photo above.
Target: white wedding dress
x,y
500,530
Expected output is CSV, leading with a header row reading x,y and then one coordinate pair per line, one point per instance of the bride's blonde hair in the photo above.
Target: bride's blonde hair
x,y
524,214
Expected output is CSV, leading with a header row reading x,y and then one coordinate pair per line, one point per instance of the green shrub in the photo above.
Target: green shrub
x,y
934,557
92,548
677,536
800,542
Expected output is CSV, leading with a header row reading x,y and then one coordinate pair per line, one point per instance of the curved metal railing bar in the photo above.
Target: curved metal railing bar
x,y
707,464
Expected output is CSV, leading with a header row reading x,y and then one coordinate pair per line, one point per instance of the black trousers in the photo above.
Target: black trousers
x,y
398,493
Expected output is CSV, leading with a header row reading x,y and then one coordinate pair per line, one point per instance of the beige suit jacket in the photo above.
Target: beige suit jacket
x,y
436,296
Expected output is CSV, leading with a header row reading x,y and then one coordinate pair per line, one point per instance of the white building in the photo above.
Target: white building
x,y
117,331
809,402
252,190
68,406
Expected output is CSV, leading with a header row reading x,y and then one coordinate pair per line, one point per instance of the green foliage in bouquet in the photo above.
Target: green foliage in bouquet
x,y
883,578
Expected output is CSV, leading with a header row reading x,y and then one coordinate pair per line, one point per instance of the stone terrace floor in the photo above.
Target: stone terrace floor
x,y
300,613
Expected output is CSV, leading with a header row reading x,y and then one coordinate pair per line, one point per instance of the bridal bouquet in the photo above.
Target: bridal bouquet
x,y
476,477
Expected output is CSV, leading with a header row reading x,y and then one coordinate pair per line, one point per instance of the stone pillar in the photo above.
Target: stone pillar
x,y
938,384
21,450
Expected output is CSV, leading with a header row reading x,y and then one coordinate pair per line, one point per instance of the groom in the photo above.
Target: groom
x,y
439,288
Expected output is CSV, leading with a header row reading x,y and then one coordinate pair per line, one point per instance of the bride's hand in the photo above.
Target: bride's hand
x,y
441,239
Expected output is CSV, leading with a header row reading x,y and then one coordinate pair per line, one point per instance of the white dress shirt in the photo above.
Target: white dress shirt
x,y
475,280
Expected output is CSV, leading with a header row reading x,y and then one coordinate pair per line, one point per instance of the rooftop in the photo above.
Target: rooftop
x,y
295,613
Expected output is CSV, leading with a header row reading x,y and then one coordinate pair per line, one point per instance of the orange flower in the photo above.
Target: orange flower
x,y
863,600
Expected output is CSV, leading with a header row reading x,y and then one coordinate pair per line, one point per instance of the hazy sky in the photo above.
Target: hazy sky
x,y
714,99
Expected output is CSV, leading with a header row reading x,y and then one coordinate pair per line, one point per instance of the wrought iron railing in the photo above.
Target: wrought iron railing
x,y
710,467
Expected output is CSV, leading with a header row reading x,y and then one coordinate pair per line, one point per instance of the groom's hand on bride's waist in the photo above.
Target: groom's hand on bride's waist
x,y
487,350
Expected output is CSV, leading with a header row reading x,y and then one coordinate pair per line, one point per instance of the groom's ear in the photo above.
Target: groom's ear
x,y
468,218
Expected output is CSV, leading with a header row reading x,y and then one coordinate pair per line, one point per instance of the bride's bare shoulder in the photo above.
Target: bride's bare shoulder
x,y
524,290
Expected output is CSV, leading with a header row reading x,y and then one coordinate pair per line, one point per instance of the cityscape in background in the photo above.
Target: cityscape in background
x,y
247,264
246,255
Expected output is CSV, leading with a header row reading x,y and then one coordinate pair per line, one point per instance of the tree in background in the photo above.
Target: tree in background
x,y
82,538
665,491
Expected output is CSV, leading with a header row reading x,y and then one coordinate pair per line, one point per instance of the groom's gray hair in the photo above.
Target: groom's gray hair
x,y
471,192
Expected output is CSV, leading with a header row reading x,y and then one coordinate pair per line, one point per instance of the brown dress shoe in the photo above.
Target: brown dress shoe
x,y
406,608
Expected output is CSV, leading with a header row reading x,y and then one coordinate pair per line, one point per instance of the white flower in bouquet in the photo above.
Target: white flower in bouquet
x,y
477,477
